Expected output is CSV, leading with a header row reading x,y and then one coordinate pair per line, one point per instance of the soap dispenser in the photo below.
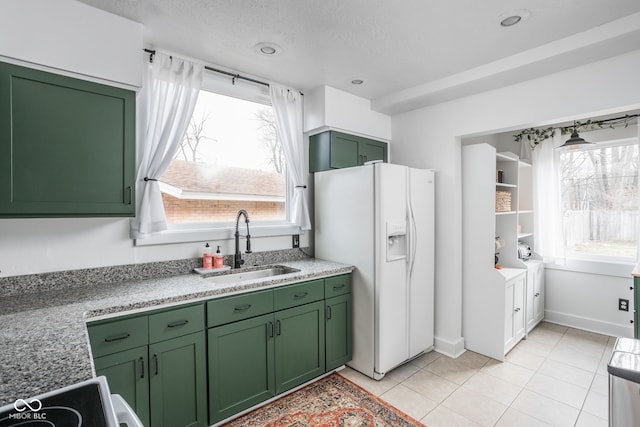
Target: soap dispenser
x,y
207,260
218,259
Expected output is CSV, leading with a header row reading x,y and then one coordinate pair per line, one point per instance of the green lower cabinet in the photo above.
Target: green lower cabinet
x,y
157,363
299,345
258,345
178,382
241,366
636,302
339,340
127,375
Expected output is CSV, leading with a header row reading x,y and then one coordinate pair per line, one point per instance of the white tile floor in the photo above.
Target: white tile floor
x,y
556,377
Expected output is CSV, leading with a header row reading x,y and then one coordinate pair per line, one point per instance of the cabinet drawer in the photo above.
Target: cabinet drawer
x,y
119,335
298,294
337,285
239,307
176,323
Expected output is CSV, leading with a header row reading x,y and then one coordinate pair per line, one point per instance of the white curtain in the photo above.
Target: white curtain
x,y
166,102
287,108
548,224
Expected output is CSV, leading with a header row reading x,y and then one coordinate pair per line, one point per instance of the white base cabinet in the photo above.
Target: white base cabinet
x,y
514,313
535,293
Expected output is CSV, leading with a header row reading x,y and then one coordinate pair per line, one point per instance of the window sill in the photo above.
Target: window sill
x,y
219,233
605,268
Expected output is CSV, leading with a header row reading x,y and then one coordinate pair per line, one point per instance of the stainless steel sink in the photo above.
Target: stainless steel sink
x,y
259,273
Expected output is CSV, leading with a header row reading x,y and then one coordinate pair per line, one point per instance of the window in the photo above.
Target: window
x,y
229,159
599,199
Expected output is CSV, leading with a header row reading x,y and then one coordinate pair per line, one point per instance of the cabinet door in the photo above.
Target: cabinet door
x,y
509,335
299,345
67,146
538,294
338,333
344,150
241,361
127,376
369,150
178,382
519,307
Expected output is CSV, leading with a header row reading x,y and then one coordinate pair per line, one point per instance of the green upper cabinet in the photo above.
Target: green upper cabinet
x,y
67,146
335,150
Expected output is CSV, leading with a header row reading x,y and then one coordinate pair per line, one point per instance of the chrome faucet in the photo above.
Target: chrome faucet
x,y
237,257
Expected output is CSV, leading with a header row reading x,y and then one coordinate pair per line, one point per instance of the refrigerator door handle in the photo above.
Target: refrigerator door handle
x,y
412,239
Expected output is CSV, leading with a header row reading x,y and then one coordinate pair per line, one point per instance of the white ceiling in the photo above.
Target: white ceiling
x,y
410,53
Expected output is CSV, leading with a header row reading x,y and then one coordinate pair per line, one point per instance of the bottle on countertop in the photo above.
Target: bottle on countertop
x,y
207,258
218,259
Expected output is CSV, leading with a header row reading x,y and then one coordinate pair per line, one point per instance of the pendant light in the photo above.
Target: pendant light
x,y
575,139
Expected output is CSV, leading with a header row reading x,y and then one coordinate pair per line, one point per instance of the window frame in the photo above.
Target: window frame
x,y
594,263
202,231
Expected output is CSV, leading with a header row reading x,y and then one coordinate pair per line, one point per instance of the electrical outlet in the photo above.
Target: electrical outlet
x,y
623,304
295,241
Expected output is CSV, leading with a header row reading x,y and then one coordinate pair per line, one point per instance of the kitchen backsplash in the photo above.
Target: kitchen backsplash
x,y
24,284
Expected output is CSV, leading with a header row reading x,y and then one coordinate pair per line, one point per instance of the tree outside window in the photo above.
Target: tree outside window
x,y
599,188
230,159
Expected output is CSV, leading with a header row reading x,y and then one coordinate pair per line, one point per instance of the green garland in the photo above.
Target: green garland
x,y
535,136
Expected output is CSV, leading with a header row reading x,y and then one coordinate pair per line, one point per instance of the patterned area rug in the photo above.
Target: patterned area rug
x,y
332,401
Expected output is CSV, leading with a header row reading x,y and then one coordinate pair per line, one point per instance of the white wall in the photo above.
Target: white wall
x,y
330,108
589,301
83,41
68,36
430,137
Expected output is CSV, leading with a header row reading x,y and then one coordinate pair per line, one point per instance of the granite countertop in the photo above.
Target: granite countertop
x,y
44,341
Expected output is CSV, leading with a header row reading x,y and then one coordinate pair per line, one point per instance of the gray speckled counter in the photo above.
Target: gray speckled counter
x,y
43,338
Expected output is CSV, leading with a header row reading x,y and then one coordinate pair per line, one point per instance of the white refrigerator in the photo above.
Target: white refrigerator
x,y
380,218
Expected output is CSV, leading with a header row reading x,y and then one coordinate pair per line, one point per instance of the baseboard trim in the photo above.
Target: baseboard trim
x,y
449,348
588,324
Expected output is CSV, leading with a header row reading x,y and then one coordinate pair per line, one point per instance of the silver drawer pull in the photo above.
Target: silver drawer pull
x,y
301,295
242,307
177,324
338,287
117,338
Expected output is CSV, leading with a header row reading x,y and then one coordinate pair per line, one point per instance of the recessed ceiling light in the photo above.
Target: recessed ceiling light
x,y
268,49
512,17
357,81
510,20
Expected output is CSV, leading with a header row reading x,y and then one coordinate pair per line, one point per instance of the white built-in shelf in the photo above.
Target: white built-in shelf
x,y
505,213
524,164
526,212
522,235
502,184
506,157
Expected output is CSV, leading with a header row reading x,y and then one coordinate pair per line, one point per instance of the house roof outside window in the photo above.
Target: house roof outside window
x,y
191,180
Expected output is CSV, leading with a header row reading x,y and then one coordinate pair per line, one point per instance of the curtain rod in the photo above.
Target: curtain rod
x,y
152,52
